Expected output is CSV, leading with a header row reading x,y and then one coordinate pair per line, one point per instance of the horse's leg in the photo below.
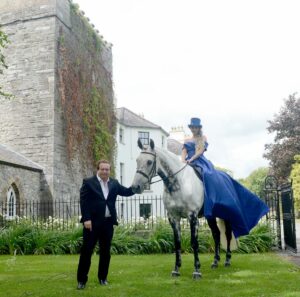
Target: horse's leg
x,y
194,224
228,233
212,223
175,223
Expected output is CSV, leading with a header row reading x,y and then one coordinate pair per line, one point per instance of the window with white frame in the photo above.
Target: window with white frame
x,y
144,137
121,173
11,203
162,141
145,210
147,187
121,135
122,210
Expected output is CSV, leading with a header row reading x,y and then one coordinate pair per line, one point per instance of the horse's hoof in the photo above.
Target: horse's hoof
x,y
227,263
175,273
197,275
214,265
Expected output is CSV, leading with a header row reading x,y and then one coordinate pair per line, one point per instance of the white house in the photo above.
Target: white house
x,y
130,127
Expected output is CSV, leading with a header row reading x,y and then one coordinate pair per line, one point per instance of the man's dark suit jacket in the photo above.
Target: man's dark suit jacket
x,y
93,203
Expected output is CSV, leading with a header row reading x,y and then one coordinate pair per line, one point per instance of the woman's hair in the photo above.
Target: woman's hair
x,y
199,141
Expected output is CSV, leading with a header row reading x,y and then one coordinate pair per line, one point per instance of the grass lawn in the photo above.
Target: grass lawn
x,y
149,275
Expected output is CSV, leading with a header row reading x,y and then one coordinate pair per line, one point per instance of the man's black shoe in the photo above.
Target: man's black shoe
x,y
80,286
103,282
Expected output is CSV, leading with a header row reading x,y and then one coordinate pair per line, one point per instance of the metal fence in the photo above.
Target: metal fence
x,y
140,211
135,210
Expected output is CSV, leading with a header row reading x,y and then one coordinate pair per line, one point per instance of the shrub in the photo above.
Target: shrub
x,y
25,238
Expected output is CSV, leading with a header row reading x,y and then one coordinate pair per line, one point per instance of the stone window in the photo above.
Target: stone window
x,y
11,203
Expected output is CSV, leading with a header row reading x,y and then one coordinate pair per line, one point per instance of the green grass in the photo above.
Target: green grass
x,y
149,275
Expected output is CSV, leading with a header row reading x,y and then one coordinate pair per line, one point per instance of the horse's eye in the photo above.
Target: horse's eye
x,y
149,162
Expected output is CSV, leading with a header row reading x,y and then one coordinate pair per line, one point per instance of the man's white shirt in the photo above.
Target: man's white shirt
x,y
105,190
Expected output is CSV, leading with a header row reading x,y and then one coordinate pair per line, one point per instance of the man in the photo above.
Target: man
x,y
98,196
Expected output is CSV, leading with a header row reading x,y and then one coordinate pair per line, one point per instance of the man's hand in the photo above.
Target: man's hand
x,y
88,225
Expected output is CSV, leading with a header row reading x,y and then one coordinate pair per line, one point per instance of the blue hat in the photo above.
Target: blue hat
x,y
195,122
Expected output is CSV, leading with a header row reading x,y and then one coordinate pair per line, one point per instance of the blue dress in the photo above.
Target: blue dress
x,y
225,198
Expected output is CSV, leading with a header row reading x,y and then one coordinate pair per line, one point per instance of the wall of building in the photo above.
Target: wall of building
x,y
26,121
83,74
27,182
127,153
49,42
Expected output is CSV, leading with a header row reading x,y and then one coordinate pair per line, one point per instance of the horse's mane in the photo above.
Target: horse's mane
x,y
167,154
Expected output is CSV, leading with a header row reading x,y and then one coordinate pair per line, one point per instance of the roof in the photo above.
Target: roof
x,y
128,118
174,146
12,158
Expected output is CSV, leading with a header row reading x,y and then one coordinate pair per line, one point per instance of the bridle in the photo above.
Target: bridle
x,y
153,171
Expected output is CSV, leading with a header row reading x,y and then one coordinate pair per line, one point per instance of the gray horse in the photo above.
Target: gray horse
x,y
183,197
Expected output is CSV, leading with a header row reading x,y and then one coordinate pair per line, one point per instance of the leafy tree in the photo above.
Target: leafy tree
x,y
255,182
3,42
286,126
295,176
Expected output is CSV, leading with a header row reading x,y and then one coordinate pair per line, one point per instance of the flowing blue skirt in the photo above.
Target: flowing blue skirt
x,y
227,199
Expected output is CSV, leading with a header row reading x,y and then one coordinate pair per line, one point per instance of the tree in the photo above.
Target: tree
x,y
3,43
286,126
295,176
255,182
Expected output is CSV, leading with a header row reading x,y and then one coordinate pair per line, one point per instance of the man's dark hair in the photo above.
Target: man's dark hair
x,y
102,161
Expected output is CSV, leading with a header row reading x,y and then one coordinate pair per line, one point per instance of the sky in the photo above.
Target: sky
x,y
231,63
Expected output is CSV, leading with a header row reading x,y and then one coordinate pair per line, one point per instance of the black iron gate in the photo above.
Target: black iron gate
x,y
272,200
281,215
288,217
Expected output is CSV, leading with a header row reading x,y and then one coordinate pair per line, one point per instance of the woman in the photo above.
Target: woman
x,y
224,197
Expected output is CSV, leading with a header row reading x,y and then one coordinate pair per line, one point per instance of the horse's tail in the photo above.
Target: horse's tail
x,y
233,242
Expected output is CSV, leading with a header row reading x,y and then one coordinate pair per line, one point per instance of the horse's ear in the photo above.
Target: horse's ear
x,y
152,144
140,145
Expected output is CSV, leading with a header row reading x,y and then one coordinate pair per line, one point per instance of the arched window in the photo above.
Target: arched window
x,y
11,203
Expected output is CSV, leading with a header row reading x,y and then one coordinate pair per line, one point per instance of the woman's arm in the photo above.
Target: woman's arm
x,y
183,154
199,152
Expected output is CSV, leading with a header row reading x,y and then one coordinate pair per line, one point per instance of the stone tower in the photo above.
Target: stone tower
x,y
59,69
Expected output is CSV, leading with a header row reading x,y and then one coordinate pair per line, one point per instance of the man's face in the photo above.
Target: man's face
x,y
104,171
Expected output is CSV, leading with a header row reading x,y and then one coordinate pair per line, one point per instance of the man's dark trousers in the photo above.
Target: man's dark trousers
x,y
102,233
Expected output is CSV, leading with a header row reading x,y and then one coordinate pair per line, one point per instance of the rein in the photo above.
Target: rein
x,y
153,171
162,179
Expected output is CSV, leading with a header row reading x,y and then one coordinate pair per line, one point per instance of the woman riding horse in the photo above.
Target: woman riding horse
x,y
224,197
184,192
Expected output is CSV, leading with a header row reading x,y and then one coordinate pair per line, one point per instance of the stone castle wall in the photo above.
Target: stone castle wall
x,y
33,123
27,181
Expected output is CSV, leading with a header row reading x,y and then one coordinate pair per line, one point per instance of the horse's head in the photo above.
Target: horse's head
x,y
146,167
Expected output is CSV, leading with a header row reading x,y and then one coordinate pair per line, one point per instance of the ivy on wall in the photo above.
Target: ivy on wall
x,y
85,89
3,44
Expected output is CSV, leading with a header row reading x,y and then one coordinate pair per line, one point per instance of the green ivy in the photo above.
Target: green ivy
x,y
3,43
100,125
88,108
